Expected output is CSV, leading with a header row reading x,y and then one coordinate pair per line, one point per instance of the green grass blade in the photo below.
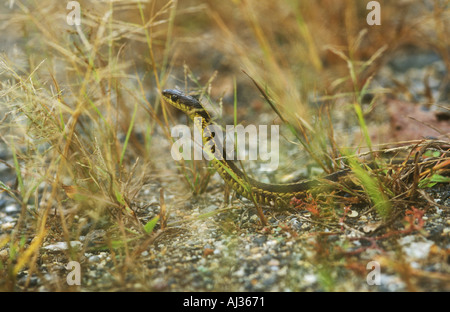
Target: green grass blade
x,y
130,128
17,169
373,188
150,225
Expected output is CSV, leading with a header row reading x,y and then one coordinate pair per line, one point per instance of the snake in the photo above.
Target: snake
x,y
270,194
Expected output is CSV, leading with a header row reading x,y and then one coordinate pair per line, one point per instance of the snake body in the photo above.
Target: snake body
x,y
263,193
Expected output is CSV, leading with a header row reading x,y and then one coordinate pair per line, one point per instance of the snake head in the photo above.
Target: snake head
x,y
186,103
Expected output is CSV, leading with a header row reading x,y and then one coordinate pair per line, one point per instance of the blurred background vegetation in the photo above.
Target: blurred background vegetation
x,y
83,128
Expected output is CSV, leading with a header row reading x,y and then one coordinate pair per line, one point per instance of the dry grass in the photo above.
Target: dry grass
x,y
83,121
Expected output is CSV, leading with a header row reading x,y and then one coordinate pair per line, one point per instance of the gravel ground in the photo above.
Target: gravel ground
x,y
231,251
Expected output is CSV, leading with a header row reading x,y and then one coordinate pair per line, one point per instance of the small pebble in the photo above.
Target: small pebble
x,y
309,279
94,259
273,262
7,226
12,208
3,254
61,246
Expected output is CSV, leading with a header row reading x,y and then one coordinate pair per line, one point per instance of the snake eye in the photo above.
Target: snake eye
x,y
174,97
